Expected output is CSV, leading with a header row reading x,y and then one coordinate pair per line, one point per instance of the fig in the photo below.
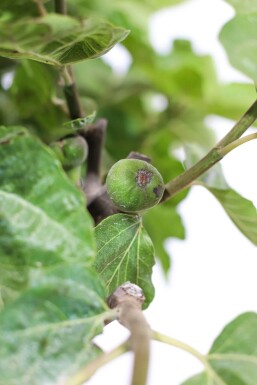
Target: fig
x,y
134,185
71,152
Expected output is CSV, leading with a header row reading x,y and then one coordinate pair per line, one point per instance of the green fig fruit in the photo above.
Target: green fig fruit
x,y
134,185
71,152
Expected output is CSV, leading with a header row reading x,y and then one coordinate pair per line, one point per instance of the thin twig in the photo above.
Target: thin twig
x,y
84,374
238,142
70,87
178,344
40,6
71,94
214,155
60,6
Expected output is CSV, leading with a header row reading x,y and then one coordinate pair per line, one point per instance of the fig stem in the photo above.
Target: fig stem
x,y
84,374
40,7
185,179
71,94
70,88
74,174
238,142
127,300
60,7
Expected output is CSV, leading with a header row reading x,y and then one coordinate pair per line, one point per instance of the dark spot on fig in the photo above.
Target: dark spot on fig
x,y
143,177
158,191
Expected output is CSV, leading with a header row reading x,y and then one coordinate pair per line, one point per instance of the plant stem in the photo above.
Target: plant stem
x,y
241,126
178,344
71,94
60,6
75,174
214,155
84,374
127,301
70,87
41,9
212,374
231,146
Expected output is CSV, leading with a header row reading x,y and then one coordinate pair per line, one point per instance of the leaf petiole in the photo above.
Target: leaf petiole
x,y
179,344
236,143
85,373
185,179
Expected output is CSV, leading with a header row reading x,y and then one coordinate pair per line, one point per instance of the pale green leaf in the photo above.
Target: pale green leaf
x,y
240,210
201,379
46,334
239,38
163,222
232,100
79,123
124,253
57,39
43,219
232,359
244,6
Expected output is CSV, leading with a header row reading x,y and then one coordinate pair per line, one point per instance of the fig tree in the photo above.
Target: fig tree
x,y
134,185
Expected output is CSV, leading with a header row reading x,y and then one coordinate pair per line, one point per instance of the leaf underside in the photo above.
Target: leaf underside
x,y
124,253
57,39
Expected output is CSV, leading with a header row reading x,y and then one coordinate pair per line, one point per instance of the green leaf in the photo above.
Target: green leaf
x,y
232,359
43,220
213,177
57,39
245,6
46,334
239,38
124,253
240,210
163,222
79,123
232,100
201,379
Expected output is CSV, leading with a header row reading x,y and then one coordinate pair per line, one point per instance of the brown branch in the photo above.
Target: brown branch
x,y
127,300
71,94
70,87
40,6
60,7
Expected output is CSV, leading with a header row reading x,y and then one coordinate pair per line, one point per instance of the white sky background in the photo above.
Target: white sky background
x,y
213,277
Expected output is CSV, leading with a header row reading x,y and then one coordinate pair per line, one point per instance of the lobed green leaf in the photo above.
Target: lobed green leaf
x,y
245,6
43,219
124,253
46,333
240,210
239,38
163,222
57,39
232,359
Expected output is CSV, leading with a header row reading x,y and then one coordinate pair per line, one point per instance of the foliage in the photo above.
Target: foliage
x,y
56,268
232,357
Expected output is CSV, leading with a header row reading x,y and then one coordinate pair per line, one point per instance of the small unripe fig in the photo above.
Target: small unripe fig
x,y
134,185
71,151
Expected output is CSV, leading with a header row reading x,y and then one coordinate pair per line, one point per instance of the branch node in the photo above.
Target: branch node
x,y
125,291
